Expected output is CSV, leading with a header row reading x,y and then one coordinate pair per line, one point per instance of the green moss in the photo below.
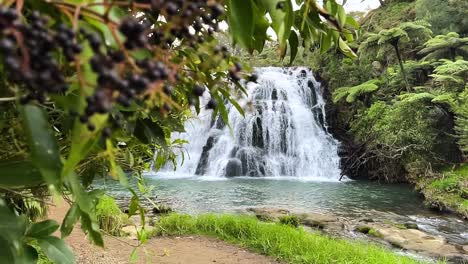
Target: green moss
x,y
110,217
292,245
449,190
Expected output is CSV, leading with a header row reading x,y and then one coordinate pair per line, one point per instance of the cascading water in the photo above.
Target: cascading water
x,y
284,134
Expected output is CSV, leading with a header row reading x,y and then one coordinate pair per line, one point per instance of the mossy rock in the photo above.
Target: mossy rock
x,y
363,229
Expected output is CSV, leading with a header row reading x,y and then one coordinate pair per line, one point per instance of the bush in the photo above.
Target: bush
x,y
290,220
110,217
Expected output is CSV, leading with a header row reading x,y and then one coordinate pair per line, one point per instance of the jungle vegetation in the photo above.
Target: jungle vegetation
x,y
95,88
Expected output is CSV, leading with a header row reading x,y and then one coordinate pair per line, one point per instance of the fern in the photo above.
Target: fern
x,y
444,46
351,93
414,97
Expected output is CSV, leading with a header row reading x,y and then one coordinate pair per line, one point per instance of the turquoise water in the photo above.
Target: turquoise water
x,y
352,199
202,194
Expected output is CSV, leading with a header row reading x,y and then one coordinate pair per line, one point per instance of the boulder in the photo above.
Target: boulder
x,y
329,223
234,168
417,240
268,214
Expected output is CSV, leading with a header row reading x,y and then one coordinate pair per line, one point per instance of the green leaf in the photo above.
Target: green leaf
x,y
282,19
45,154
70,219
325,42
6,254
56,250
30,255
19,174
134,204
352,22
341,15
82,142
293,43
346,49
241,21
42,229
91,228
148,131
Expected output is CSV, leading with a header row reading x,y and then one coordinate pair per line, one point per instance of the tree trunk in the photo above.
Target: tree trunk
x,y
402,68
453,54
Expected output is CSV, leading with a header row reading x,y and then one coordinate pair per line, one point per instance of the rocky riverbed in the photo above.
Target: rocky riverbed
x,y
405,237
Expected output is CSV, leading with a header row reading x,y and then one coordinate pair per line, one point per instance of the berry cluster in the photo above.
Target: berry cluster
x,y
33,49
28,51
187,21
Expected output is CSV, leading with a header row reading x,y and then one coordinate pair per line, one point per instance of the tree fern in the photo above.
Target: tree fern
x,y
351,93
445,46
416,32
451,72
414,97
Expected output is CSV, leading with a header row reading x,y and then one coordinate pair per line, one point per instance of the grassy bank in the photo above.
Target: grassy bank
x,y
449,190
284,242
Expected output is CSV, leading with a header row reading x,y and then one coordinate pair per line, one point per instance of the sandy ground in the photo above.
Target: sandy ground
x,y
173,250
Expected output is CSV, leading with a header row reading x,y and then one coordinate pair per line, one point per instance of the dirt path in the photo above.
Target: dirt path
x,y
178,250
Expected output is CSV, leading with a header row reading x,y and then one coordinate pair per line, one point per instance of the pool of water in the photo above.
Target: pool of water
x,y
353,199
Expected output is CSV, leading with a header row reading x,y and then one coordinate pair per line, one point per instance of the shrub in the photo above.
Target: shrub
x,y
290,220
110,217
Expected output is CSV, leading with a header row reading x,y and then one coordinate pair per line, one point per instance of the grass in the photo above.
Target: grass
x,y
293,245
450,190
110,217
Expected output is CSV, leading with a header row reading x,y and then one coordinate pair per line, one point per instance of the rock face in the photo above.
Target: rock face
x,y
204,156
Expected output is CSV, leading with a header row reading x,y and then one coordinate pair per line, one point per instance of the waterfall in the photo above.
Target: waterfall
x,y
283,134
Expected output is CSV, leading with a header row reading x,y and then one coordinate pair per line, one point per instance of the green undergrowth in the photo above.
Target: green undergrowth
x,y
286,243
450,190
111,219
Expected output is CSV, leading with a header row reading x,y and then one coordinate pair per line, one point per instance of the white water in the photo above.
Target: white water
x,y
281,136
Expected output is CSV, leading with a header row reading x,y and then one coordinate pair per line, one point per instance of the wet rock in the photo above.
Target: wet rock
x,y
411,225
303,73
161,209
313,98
327,222
274,95
234,168
418,241
268,214
203,162
257,134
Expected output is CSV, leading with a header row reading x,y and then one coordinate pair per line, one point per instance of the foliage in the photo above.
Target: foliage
x,y
444,16
96,88
389,15
284,242
290,220
411,33
109,216
351,93
450,189
452,73
445,46
19,233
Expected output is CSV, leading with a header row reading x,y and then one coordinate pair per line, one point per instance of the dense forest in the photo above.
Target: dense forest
x,y
97,89
401,107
